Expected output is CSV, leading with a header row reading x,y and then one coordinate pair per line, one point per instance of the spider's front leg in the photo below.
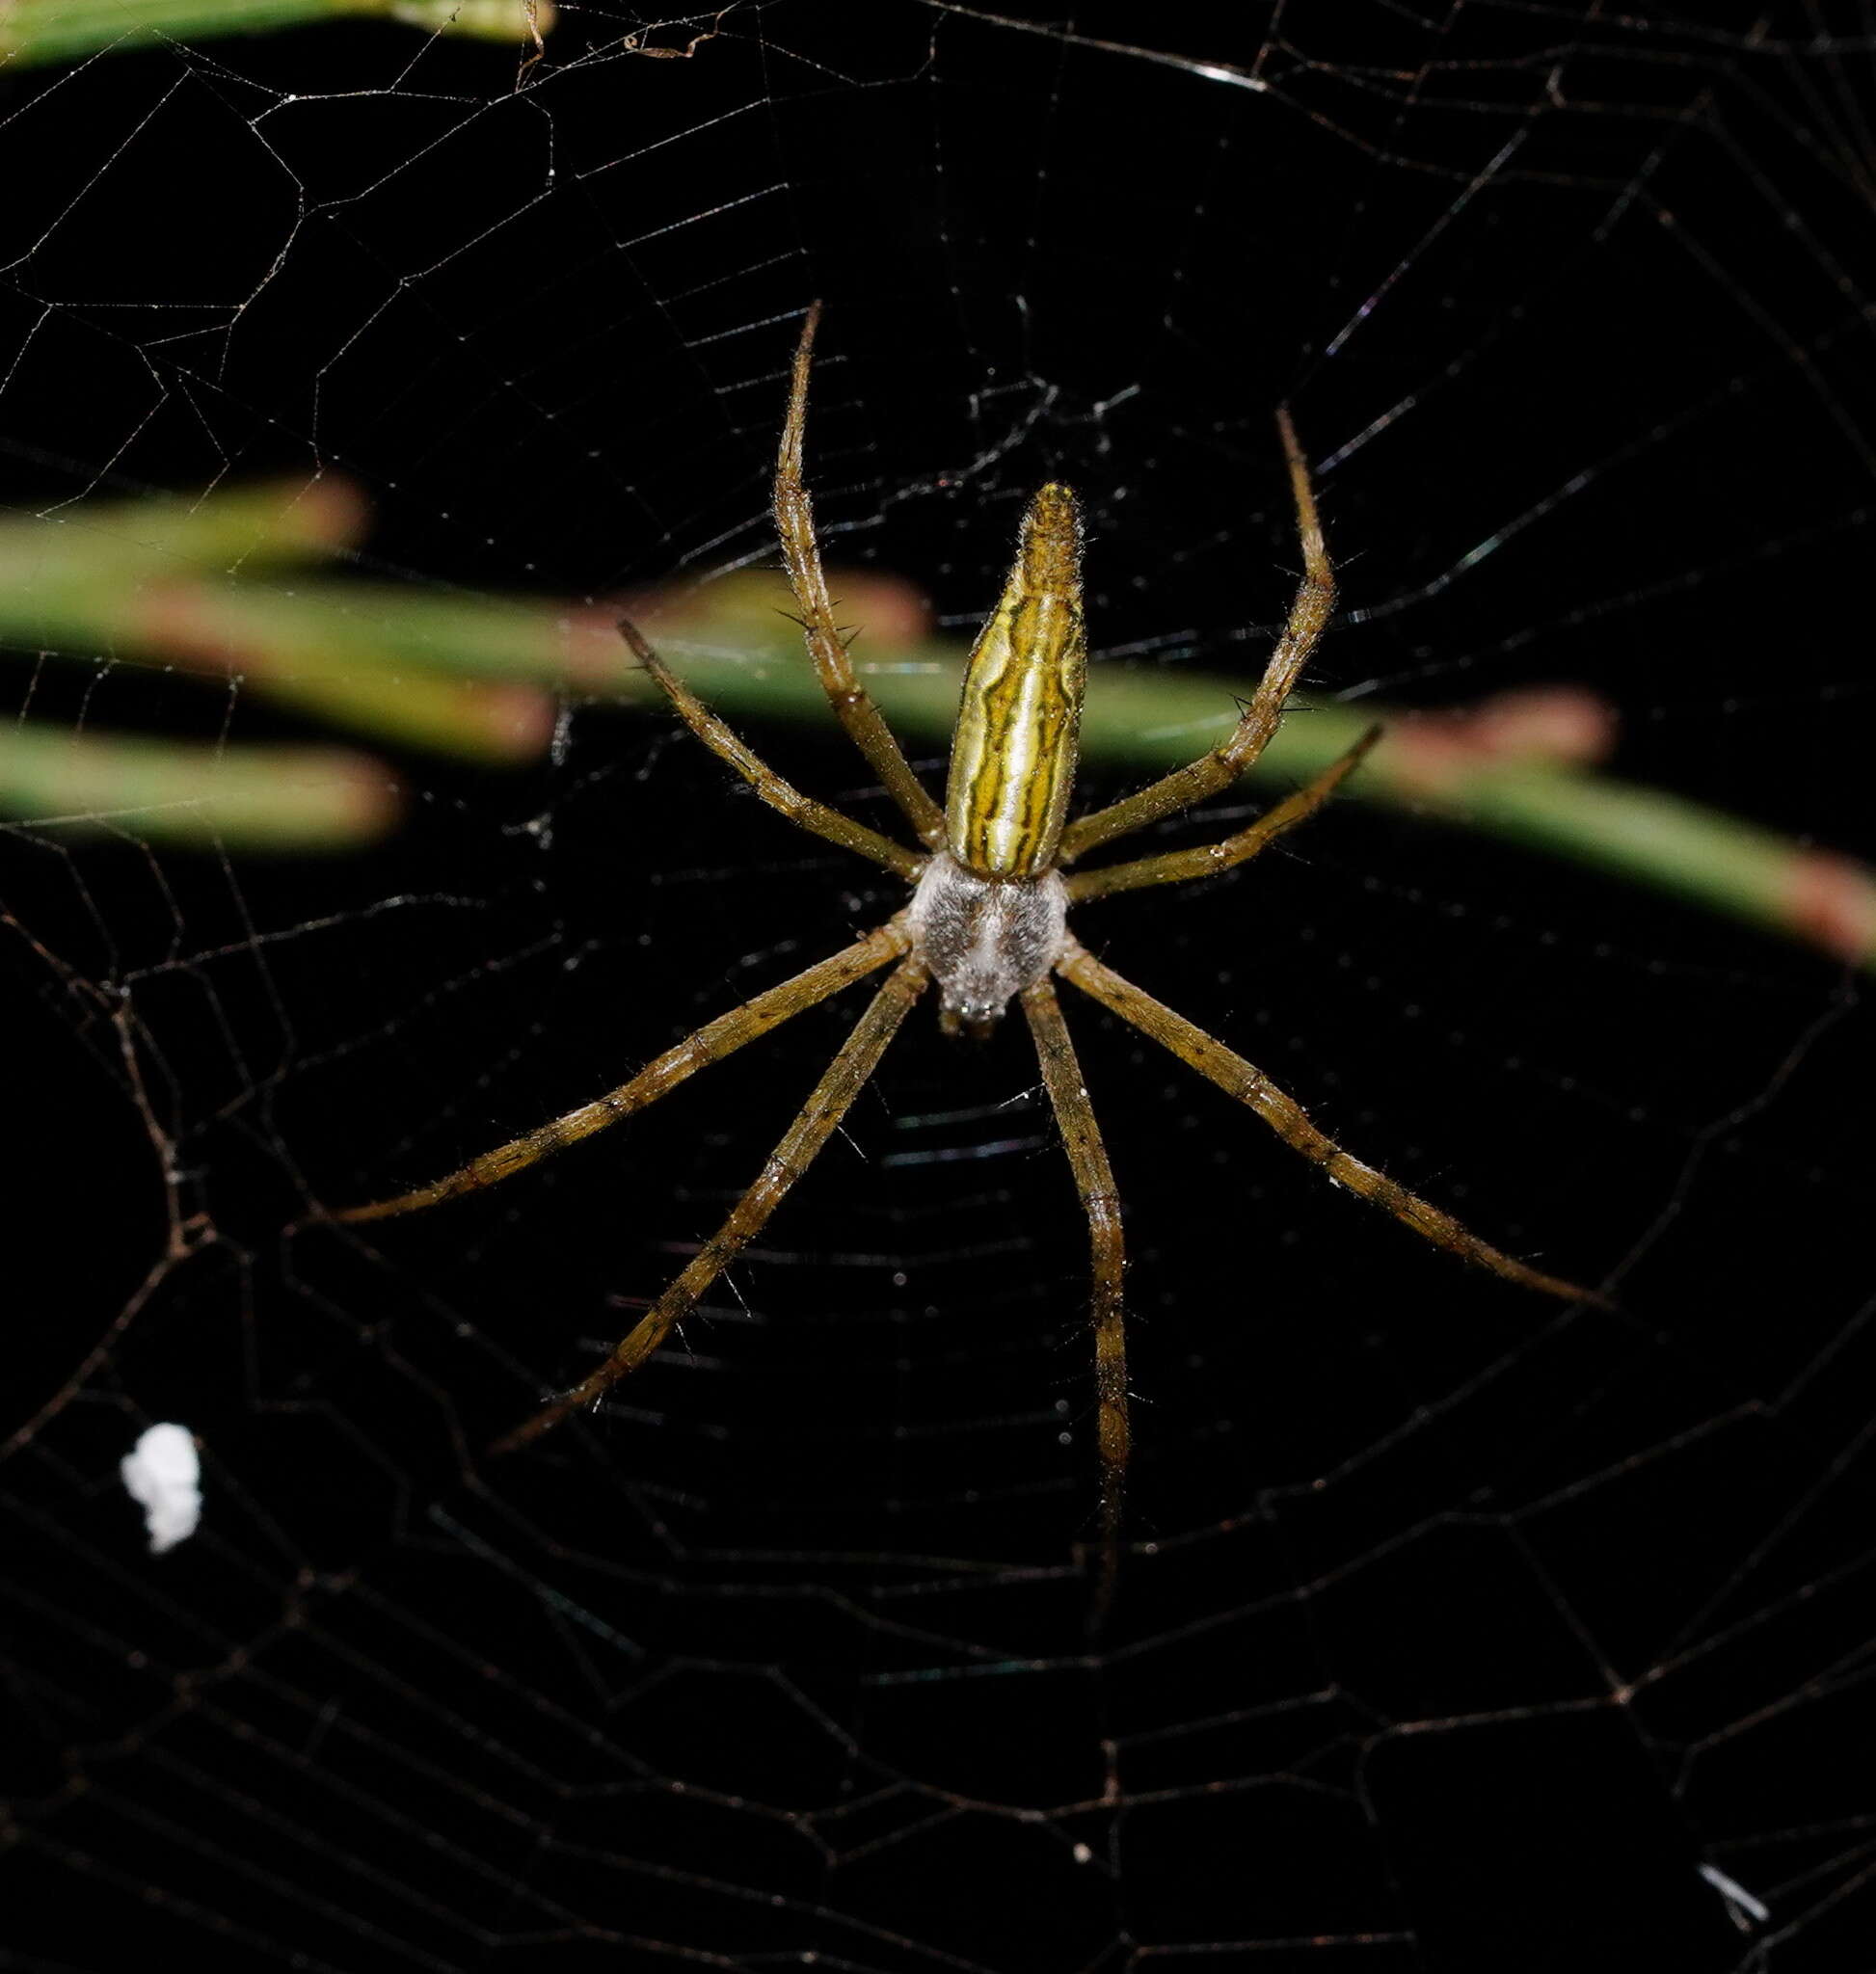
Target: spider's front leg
x,y
1088,1156
710,1043
1285,1117
814,1124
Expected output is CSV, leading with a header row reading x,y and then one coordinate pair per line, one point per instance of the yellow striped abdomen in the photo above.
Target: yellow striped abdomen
x,y
1014,750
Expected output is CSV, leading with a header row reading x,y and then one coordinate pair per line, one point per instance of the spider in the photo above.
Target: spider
x,y
987,919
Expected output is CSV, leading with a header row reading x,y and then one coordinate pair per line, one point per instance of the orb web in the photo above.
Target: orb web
x,y
1455,1630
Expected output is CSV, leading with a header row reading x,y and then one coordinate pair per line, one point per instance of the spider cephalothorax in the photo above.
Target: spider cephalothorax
x,y
988,916
986,939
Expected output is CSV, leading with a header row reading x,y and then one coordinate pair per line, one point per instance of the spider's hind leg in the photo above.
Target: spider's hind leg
x,y
853,706
783,796
1309,613
1175,866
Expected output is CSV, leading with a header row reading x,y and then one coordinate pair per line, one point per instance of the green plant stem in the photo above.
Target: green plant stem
x,y
339,654
272,523
167,791
1158,719
478,676
46,31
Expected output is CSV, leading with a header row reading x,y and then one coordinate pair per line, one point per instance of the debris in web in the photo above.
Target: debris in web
x,y
164,1476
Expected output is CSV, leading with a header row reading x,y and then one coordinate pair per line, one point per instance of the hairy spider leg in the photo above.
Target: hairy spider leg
x,y
814,1124
1285,1117
1088,1158
852,704
1207,859
710,1043
803,811
1309,612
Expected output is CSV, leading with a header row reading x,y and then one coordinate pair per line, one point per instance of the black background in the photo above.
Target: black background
x,y
1460,1631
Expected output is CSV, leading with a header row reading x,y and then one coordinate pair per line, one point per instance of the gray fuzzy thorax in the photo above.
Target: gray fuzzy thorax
x,y
986,939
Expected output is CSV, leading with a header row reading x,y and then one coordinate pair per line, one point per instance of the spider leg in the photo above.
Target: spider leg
x,y
1081,1137
852,704
803,811
1174,867
814,1124
1285,1117
1310,610
710,1043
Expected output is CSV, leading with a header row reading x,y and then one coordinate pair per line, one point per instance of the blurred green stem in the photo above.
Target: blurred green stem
x,y
168,792
271,523
45,31
481,678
